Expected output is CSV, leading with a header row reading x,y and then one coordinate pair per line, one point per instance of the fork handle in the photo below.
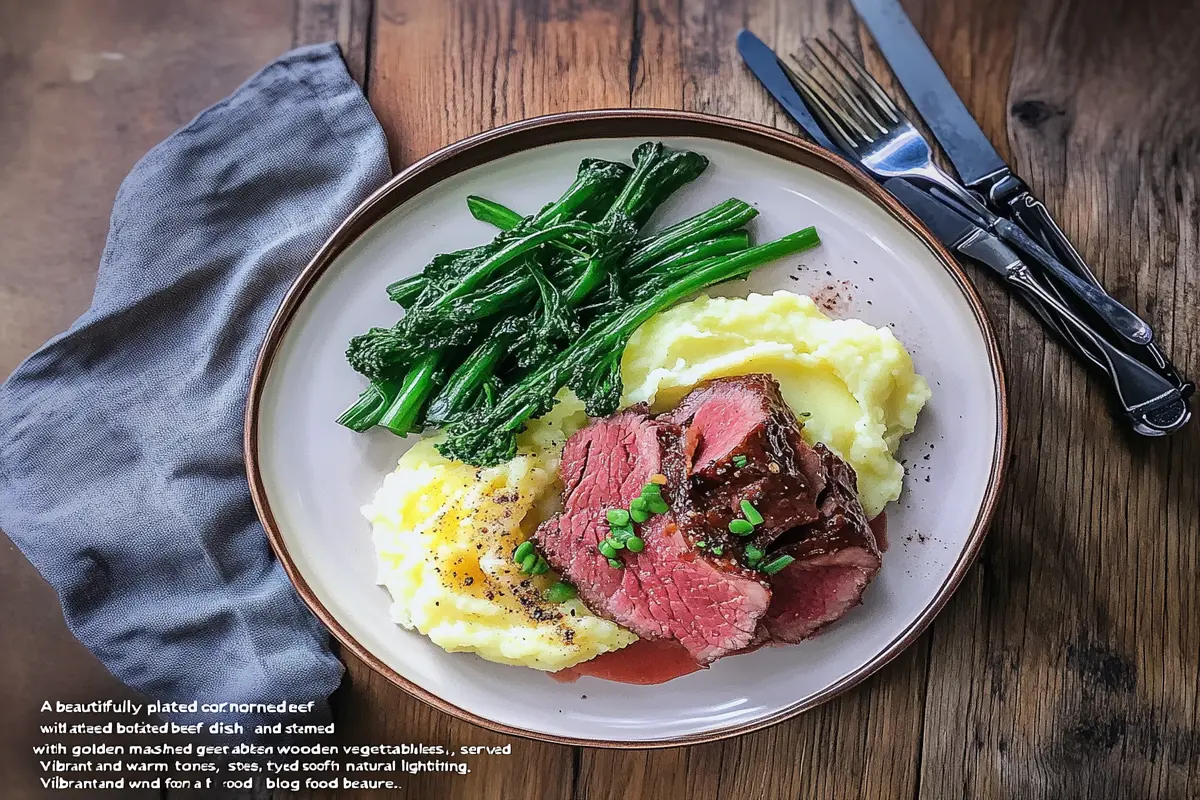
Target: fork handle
x,y
1153,403
1128,324
1031,214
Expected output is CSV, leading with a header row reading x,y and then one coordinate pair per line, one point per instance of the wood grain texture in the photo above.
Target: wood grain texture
x,y
347,22
1067,666
443,71
86,88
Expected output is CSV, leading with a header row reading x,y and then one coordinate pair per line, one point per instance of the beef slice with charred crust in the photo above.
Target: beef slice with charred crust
x,y
670,590
835,558
742,442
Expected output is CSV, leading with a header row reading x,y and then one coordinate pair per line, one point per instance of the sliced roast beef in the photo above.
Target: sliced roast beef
x,y
670,590
742,442
835,558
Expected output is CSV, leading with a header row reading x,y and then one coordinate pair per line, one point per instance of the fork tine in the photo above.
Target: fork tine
x,y
868,83
824,106
842,83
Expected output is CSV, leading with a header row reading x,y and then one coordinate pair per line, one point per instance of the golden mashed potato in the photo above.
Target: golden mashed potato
x,y
444,534
853,384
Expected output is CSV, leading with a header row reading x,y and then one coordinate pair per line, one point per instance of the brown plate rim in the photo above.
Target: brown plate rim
x,y
598,124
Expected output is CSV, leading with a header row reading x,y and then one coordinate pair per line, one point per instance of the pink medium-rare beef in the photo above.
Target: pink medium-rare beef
x,y
670,590
742,442
835,558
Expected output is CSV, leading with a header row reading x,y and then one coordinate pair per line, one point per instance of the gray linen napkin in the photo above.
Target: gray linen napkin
x,y
121,472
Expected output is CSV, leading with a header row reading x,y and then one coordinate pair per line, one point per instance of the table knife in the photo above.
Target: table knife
x,y
975,159
1151,401
763,62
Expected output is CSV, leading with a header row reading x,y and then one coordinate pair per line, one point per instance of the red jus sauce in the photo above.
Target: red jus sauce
x,y
644,662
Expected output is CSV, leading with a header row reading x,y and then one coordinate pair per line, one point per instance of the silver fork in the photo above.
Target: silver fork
x,y
864,121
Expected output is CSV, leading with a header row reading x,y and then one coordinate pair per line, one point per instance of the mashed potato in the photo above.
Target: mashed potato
x,y
853,385
444,534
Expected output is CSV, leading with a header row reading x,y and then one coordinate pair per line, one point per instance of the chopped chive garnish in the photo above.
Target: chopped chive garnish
x,y
741,527
540,566
753,555
617,516
637,503
614,563
639,514
621,533
634,544
651,490
774,566
615,543
528,563
561,592
740,461
659,506
716,550
751,513
701,545
523,549
606,549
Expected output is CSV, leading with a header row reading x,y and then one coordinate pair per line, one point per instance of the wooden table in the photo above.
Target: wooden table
x,y
1065,666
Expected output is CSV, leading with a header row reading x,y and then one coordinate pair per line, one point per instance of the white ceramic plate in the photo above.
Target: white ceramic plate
x,y
310,476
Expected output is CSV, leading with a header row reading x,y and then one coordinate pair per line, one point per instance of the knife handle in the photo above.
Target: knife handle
x,y
1031,214
1154,405
1128,324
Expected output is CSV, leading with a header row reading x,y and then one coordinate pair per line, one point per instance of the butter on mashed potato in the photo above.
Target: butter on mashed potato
x,y
444,534
852,384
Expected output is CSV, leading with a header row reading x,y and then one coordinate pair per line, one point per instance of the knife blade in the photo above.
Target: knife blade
x,y
763,62
1152,403
973,155
949,226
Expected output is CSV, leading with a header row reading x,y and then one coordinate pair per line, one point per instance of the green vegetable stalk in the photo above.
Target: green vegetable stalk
x,y
387,353
720,219
716,221
370,407
463,387
493,213
401,416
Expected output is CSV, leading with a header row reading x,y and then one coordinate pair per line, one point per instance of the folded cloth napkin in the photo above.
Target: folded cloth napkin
x,y
121,471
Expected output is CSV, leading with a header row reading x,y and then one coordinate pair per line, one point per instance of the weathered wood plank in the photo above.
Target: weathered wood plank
x,y
347,22
1067,666
87,87
442,71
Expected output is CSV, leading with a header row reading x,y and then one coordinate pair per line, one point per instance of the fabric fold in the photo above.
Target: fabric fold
x,y
121,470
